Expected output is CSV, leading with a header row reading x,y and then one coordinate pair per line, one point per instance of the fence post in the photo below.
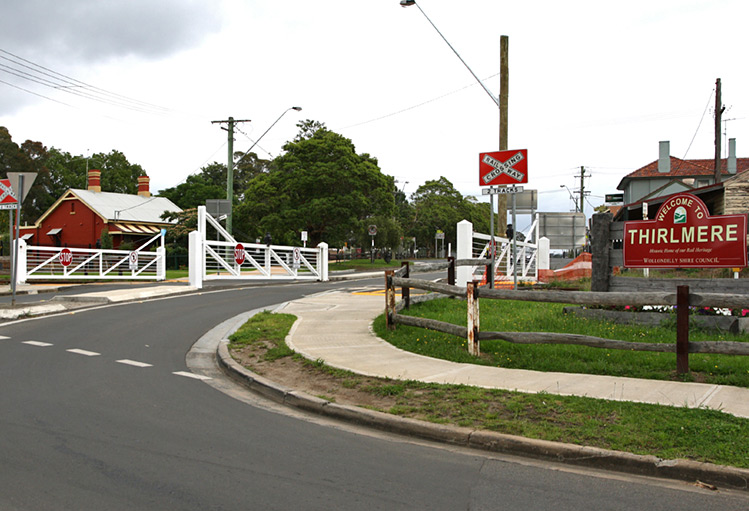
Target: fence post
x,y
451,271
599,247
464,250
197,259
322,261
389,300
405,290
472,332
682,329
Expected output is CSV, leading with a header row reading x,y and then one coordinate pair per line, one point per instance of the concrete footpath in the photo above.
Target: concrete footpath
x,y
335,327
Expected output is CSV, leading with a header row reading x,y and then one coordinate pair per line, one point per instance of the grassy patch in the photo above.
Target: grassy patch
x,y
363,265
666,432
268,329
519,316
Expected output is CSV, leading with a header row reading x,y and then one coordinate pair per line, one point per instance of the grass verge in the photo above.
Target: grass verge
x,y
519,316
666,432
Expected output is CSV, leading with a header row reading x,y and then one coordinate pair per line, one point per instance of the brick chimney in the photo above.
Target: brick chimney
x,y
664,157
94,180
144,186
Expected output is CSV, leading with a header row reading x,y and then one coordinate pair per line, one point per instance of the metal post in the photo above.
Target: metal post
x,y
682,329
490,281
15,244
514,246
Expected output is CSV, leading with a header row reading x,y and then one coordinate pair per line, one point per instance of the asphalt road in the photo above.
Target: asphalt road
x,y
95,428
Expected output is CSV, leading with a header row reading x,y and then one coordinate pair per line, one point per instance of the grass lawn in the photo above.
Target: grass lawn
x,y
362,265
666,432
519,316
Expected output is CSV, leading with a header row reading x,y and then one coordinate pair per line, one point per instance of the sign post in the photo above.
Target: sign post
x,y
503,168
511,190
16,180
372,233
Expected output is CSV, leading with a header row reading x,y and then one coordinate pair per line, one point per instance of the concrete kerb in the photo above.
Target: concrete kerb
x,y
584,456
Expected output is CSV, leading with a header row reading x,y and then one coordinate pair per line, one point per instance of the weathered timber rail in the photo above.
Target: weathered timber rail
x,y
682,299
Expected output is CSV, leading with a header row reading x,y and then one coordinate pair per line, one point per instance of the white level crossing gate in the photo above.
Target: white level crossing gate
x,y
224,258
63,263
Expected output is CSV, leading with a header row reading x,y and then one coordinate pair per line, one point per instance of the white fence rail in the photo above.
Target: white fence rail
x,y
68,263
226,258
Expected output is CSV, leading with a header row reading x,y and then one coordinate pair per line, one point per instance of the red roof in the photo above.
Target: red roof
x,y
686,168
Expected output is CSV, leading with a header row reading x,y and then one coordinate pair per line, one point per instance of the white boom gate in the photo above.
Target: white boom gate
x,y
68,263
227,259
527,257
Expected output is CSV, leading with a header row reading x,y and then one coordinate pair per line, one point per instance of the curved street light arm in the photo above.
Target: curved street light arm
x,y
494,98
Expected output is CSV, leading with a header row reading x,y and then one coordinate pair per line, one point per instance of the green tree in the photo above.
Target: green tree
x,y
196,189
319,185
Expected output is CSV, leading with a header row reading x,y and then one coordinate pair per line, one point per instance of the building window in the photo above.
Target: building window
x,y
72,208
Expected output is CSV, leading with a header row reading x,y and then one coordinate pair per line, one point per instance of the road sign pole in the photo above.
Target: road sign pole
x,y
514,246
15,245
490,277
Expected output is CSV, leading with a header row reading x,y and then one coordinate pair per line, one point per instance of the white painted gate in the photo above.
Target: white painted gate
x,y
531,255
68,263
227,259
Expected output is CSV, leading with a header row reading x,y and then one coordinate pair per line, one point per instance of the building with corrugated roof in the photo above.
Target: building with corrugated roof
x,y
78,217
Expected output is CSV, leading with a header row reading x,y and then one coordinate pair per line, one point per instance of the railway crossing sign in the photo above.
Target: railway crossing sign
x,y
503,167
8,199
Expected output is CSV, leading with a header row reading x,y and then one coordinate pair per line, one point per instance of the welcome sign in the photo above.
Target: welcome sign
x,y
684,235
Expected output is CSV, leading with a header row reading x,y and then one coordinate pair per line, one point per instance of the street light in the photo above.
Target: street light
x,y
577,208
408,3
230,186
500,105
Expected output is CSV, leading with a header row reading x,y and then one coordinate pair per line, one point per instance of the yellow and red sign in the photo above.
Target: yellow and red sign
x,y
684,235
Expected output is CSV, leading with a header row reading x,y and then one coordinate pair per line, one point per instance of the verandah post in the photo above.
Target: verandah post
x,y
682,329
472,306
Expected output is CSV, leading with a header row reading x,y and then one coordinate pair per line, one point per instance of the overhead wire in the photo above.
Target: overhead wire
x,y
34,72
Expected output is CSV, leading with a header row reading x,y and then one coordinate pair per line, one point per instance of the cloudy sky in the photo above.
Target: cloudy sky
x,y
593,84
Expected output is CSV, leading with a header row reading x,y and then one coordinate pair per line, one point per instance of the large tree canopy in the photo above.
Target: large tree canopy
x,y
439,206
319,185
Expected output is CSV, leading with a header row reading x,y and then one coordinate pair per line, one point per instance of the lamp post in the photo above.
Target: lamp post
x,y
572,196
230,186
502,105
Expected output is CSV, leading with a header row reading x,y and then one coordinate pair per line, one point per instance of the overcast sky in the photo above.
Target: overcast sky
x,y
593,84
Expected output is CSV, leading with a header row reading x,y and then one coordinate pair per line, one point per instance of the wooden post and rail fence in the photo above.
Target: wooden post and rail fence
x,y
682,299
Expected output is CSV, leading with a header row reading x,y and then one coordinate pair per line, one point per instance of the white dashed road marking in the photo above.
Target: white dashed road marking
x,y
38,343
192,375
84,352
133,363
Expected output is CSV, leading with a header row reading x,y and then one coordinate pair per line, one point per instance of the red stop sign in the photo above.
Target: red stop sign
x,y
66,257
239,253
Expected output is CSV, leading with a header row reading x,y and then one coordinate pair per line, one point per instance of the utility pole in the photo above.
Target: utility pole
x,y
718,115
230,165
583,193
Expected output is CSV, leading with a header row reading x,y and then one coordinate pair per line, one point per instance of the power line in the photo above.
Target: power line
x,y
36,73
417,106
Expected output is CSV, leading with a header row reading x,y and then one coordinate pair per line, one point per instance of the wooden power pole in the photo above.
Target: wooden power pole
x,y
718,116
504,88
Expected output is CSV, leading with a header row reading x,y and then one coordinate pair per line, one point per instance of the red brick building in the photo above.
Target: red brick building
x,y
78,218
